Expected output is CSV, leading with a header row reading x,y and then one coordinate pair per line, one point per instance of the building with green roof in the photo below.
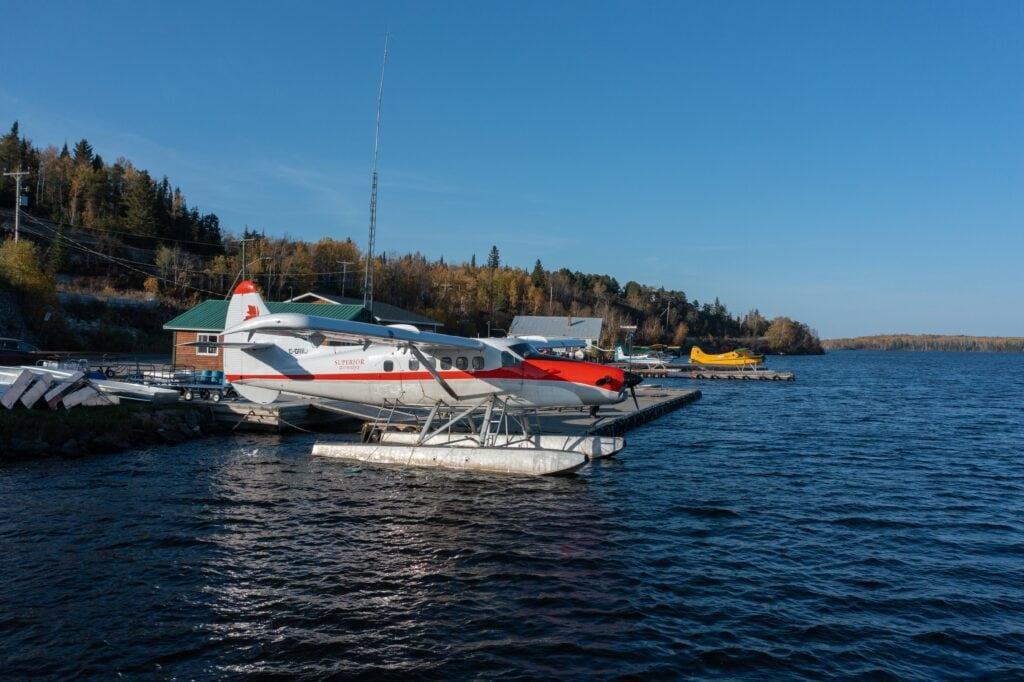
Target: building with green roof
x,y
205,322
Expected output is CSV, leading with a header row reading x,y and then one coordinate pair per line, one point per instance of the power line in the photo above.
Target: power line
x,y
17,175
133,235
125,262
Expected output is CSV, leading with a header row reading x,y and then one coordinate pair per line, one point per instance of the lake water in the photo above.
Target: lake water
x,y
867,519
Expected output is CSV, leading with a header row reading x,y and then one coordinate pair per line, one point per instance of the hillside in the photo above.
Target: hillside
x,y
112,229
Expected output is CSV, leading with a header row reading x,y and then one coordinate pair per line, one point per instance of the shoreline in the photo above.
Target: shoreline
x,y
32,434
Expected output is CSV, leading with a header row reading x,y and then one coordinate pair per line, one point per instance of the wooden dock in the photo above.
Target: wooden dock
x,y
615,420
736,374
710,373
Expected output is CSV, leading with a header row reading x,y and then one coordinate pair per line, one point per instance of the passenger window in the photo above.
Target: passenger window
x,y
446,363
414,365
388,366
478,362
461,362
508,360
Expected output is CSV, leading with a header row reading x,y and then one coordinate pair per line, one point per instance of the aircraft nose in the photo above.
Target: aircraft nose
x,y
631,379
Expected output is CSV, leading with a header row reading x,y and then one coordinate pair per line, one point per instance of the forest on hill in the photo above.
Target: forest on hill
x,y
927,342
116,228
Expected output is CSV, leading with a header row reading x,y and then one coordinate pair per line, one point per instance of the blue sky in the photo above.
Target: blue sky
x,y
859,166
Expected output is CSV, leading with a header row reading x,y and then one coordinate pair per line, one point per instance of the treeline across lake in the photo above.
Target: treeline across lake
x,y
106,228
926,342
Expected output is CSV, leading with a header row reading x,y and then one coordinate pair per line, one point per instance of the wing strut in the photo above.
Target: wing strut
x,y
428,365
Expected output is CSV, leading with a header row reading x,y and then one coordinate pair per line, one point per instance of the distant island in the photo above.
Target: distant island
x,y
927,342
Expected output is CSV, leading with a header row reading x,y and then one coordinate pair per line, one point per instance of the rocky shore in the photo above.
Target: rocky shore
x,y
27,434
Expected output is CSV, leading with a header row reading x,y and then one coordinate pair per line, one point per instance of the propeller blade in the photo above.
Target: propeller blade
x,y
632,392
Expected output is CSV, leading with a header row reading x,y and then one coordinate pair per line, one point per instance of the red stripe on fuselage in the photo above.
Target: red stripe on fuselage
x,y
586,373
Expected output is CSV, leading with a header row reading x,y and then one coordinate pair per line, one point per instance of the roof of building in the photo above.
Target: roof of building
x,y
557,327
384,312
210,315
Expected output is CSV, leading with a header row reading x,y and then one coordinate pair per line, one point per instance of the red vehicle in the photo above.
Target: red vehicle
x,y
17,352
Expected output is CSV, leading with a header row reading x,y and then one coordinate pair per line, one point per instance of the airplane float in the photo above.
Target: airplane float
x,y
648,359
480,393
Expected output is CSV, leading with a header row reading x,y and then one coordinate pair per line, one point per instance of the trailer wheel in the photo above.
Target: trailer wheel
x,y
109,373
215,396
187,394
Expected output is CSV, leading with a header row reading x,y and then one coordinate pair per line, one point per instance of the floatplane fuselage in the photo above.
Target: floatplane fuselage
x,y
265,355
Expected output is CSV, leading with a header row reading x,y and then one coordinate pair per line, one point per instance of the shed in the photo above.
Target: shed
x,y
586,328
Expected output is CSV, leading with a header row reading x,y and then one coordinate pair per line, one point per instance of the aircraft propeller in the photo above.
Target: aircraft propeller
x,y
632,380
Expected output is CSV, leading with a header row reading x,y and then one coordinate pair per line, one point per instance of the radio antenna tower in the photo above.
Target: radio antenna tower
x,y
368,281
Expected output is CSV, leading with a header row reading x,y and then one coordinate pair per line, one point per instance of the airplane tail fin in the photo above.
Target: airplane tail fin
x,y
246,303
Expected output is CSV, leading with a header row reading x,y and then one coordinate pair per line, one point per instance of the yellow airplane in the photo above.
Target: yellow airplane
x,y
741,357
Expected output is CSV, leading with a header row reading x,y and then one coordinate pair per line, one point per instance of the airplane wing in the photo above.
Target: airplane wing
x,y
311,326
240,345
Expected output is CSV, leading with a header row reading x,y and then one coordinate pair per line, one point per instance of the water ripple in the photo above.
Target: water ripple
x,y
864,521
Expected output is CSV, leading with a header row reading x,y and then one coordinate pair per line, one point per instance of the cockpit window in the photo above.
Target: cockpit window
x,y
523,350
508,360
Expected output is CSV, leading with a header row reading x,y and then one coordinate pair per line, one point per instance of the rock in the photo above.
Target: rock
x,y
110,442
70,448
24,446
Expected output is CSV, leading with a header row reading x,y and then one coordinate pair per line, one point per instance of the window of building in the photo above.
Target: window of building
x,y
414,365
461,362
446,363
478,362
206,350
388,366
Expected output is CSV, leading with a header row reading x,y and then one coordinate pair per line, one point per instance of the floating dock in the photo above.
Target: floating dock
x,y
736,374
615,420
708,372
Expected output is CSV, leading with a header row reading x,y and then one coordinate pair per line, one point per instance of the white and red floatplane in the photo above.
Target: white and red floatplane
x,y
479,392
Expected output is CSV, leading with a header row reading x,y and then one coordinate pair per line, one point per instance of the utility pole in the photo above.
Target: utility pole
x,y
368,281
344,270
17,175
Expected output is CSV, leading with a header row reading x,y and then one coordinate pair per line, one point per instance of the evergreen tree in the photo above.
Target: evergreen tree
x,y
83,152
538,277
138,201
494,259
